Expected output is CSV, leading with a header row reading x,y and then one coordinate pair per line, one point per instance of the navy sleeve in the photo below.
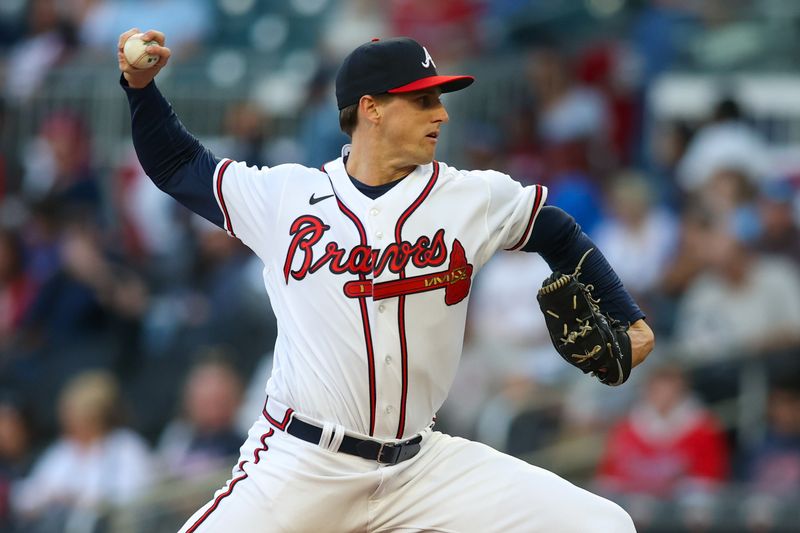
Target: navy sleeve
x,y
176,162
562,243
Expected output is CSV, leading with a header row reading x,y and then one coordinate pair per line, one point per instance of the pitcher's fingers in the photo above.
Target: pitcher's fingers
x,y
155,35
125,36
162,51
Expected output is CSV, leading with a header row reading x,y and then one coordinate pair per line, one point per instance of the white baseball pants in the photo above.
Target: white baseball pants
x,y
284,484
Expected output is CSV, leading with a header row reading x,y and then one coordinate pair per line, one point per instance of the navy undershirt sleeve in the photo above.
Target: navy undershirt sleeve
x,y
171,156
562,244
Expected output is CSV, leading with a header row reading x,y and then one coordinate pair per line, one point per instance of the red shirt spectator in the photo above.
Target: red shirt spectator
x,y
669,442
449,28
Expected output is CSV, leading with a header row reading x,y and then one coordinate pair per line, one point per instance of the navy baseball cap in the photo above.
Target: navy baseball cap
x,y
398,65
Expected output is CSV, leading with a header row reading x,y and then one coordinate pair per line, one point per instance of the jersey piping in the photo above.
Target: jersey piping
x,y
227,224
538,200
401,302
364,315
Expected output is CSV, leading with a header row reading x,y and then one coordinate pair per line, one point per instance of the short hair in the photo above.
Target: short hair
x,y
348,117
96,394
727,109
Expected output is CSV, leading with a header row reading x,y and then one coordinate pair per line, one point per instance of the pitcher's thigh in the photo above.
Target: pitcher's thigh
x,y
234,507
465,486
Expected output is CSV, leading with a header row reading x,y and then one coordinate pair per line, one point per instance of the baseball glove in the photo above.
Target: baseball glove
x,y
581,333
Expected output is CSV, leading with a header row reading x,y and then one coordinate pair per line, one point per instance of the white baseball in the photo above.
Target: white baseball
x,y
135,53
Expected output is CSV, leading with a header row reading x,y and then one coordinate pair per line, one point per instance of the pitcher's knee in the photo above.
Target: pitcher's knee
x,y
611,518
592,515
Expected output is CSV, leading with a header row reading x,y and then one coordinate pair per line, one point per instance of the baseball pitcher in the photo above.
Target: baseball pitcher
x,y
368,263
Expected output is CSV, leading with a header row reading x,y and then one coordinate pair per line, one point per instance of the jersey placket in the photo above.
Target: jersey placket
x,y
388,373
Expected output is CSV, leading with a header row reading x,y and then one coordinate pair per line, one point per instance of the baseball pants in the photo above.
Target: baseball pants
x,y
285,484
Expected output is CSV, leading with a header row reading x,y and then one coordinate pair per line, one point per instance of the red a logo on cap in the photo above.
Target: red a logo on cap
x,y
428,59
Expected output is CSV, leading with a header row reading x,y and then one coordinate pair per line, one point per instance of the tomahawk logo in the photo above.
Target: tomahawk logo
x,y
428,59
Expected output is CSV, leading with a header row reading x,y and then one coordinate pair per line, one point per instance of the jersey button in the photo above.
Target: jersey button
x,y
381,308
388,359
379,234
389,409
374,212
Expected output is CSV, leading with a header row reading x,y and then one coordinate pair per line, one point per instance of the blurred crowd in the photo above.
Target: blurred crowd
x,y
135,338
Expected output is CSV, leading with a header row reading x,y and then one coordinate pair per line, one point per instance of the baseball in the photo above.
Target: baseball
x,y
135,53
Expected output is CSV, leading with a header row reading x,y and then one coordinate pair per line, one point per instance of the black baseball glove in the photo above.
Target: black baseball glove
x,y
581,333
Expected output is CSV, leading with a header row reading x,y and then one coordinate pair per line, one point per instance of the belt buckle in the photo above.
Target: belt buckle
x,y
385,447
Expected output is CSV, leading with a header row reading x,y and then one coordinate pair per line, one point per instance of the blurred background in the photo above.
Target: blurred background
x,y
135,339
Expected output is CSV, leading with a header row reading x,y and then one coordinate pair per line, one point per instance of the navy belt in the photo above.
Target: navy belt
x,y
389,453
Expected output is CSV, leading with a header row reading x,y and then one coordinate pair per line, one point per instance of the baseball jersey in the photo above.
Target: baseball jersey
x,y
371,295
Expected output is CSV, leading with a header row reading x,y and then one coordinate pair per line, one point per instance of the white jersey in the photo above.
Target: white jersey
x,y
371,295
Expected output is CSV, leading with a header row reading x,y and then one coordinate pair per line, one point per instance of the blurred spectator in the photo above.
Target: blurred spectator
x,y
573,118
246,134
773,466
87,295
522,157
483,149
41,234
573,130
17,288
612,69
318,130
16,452
726,142
730,196
667,147
669,445
449,28
351,24
50,39
743,302
780,230
228,280
637,228
503,306
577,194
507,361
686,263
93,463
58,165
659,31
205,438
153,234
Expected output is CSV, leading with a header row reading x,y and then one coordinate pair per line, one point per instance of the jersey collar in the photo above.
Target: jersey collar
x,y
404,192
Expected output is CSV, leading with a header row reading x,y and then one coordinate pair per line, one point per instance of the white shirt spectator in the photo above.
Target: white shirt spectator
x,y
729,145
114,470
640,254
715,318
